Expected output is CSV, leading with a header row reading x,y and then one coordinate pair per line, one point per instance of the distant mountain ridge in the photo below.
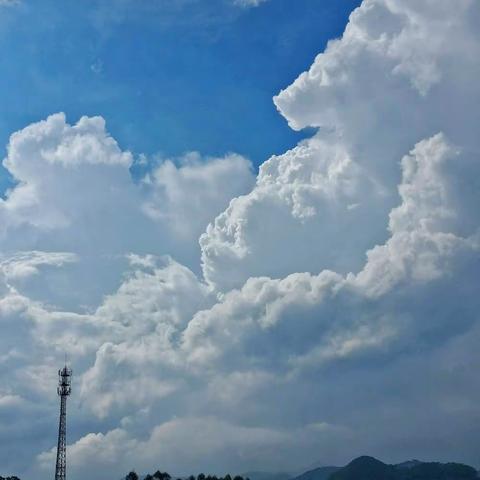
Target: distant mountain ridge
x,y
320,473
361,468
408,464
369,468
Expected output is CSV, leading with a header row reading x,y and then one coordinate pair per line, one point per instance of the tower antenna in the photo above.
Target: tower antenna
x,y
64,390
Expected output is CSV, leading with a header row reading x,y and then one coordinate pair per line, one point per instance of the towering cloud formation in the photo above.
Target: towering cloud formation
x,y
396,77
336,312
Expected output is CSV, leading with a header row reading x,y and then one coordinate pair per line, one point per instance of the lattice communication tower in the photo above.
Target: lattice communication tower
x,y
64,390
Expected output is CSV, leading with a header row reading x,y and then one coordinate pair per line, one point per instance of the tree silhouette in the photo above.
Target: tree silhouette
x,y
161,475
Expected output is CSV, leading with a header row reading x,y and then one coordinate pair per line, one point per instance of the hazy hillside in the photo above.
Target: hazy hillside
x,y
369,468
320,473
362,468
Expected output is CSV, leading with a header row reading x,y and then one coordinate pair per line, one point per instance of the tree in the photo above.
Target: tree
x,y
131,476
161,475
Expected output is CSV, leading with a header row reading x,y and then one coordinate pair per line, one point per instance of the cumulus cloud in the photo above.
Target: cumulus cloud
x,y
297,218
344,179
427,242
148,311
75,205
189,195
25,264
335,310
62,172
74,193
72,178
207,438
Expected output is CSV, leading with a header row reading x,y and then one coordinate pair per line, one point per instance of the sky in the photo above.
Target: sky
x,y
165,75
253,226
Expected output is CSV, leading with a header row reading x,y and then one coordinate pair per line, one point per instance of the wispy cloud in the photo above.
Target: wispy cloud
x,y
9,3
249,3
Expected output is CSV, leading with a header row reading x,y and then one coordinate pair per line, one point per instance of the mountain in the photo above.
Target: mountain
x,y
437,471
365,468
369,468
320,473
408,464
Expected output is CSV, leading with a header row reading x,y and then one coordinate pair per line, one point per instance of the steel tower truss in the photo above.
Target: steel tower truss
x,y
64,390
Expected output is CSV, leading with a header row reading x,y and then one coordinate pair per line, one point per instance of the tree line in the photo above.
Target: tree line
x,y
158,475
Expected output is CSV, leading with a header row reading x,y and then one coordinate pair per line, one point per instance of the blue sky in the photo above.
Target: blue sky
x,y
225,310
168,77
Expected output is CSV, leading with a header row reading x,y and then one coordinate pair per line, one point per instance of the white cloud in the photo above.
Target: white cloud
x,y
298,218
8,401
189,195
147,313
248,3
427,227
183,446
25,264
74,193
270,335
76,178
66,176
370,117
